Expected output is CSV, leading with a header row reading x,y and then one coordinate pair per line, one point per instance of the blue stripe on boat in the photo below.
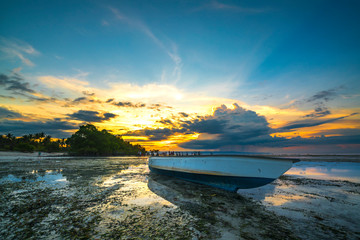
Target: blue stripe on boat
x,y
229,183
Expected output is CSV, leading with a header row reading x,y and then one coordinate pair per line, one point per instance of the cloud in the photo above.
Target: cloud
x,y
107,116
215,5
157,106
319,112
6,113
73,88
326,95
15,83
184,114
155,134
229,127
66,83
309,123
86,93
7,97
91,116
341,131
171,51
226,126
322,140
158,134
211,126
128,104
80,99
238,127
320,98
17,49
104,23
166,122
40,99
55,128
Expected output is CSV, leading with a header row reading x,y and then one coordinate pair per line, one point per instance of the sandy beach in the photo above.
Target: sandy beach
x,y
61,197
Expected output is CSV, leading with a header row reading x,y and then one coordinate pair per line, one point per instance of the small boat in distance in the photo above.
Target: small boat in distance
x,y
226,172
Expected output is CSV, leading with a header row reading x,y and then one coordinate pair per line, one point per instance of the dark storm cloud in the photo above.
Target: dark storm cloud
x,y
309,123
91,116
156,134
234,123
240,127
6,113
229,127
299,141
268,141
15,83
229,141
129,104
341,131
211,126
55,128
109,100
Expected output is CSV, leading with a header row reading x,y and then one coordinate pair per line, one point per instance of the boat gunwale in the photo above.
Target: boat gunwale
x,y
294,160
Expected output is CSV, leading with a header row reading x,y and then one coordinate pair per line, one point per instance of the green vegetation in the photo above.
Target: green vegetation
x,y
31,143
90,141
87,141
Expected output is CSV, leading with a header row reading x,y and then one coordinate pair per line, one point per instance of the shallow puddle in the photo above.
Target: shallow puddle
x,y
319,196
345,171
53,178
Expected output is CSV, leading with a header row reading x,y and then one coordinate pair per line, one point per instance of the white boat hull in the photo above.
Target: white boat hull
x,y
226,172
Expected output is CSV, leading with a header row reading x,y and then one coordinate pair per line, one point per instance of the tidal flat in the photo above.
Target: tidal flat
x,y
60,197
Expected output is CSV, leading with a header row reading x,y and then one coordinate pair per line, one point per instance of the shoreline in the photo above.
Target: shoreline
x,y
300,157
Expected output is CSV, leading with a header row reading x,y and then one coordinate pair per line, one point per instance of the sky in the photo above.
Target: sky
x,y
245,76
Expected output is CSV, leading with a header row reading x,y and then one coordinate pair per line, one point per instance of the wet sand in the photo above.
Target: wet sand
x,y
117,198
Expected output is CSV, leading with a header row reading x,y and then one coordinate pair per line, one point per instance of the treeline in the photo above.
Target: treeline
x,y
87,141
31,142
90,141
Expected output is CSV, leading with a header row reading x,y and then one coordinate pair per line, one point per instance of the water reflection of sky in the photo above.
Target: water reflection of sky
x,y
48,177
349,171
134,179
298,198
281,194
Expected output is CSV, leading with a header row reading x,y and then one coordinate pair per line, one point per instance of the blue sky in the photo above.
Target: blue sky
x,y
258,54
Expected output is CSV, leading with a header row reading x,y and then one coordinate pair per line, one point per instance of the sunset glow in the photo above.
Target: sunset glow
x,y
188,76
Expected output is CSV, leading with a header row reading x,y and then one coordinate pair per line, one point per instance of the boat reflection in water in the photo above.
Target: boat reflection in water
x,y
226,172
186,194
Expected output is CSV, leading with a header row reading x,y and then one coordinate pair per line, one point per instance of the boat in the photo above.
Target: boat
x,y
226,172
